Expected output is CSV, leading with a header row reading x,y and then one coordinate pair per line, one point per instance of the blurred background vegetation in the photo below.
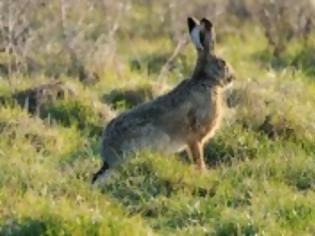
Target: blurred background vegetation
x,y
67,67
85,38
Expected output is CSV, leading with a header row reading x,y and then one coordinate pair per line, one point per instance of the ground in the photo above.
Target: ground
x,y
261,163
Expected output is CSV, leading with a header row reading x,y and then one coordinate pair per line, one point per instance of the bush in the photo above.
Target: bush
x,y
128,97
83,115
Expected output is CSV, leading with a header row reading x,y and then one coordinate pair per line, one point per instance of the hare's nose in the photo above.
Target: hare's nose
x,y
230,78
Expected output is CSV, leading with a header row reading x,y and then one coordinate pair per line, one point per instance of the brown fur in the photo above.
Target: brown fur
x,y
186,117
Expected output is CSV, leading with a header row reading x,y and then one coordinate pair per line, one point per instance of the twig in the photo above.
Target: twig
x,y
165,68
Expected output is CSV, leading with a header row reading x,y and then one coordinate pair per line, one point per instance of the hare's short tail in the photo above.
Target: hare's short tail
x,y
101,171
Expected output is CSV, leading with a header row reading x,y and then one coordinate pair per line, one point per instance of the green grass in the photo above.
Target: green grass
x,y
255,184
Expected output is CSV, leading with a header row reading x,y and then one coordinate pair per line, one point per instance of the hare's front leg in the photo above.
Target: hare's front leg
x,y
196,151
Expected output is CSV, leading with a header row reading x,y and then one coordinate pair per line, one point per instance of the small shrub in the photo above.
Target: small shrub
x,y
125,98
78,113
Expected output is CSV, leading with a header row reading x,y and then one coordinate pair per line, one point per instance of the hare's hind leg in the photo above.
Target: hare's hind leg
x,y
196,151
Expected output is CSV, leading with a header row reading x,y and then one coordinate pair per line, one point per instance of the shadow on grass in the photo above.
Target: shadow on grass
x,y
217,153
303,59
129,97
267,59
25,227
75,112
48,225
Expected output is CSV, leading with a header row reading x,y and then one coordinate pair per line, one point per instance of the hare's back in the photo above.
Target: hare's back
x,y
149,113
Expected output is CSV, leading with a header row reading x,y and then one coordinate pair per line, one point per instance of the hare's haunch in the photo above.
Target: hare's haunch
x,y
186,117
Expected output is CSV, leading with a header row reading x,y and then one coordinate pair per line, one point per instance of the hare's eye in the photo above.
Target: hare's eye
x,y
221,63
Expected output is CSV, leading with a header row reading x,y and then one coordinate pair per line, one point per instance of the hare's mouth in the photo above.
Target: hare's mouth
x,y
229,83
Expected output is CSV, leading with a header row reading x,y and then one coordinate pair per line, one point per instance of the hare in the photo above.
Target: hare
x,y
184,118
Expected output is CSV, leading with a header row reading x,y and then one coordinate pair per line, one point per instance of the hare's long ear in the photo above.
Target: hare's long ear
x,y
194,28
203,38
207,37
192,23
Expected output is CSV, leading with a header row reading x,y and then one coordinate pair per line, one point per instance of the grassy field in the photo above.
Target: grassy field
x,y
261,164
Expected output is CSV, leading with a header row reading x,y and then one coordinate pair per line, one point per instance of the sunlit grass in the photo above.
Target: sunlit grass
x,y
255,183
